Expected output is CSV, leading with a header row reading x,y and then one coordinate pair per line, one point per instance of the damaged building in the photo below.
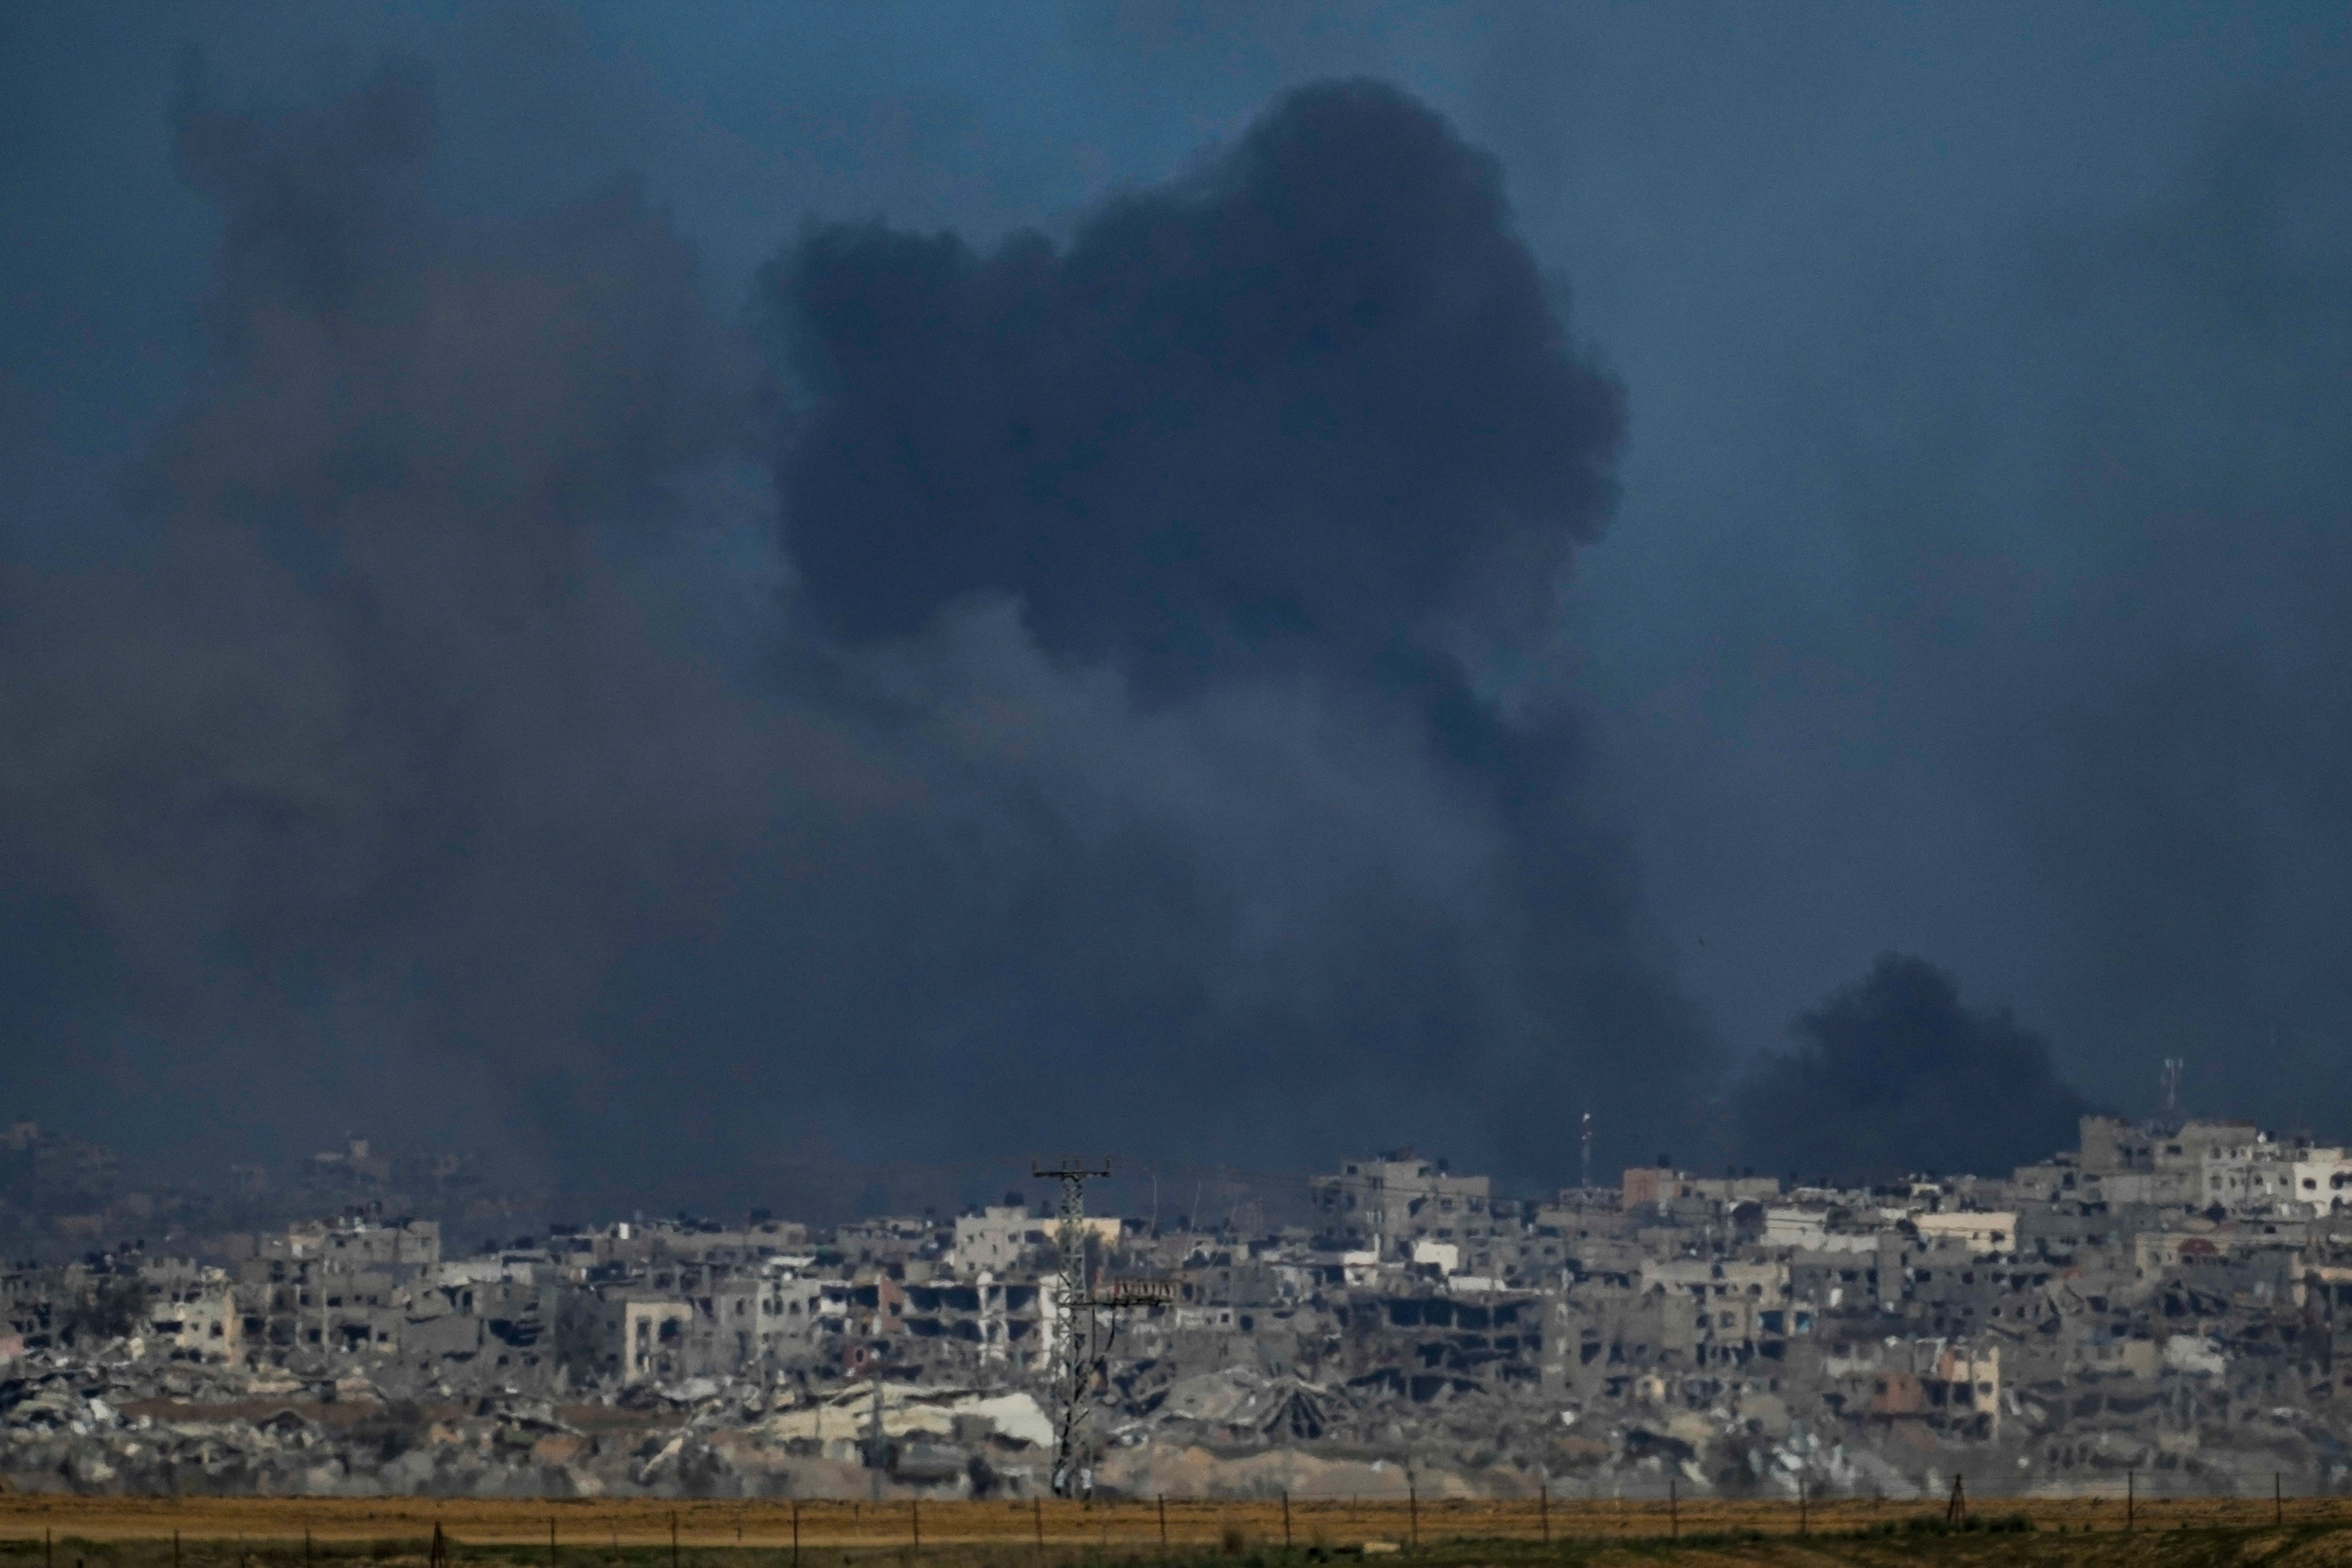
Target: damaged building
x,y
2160,1297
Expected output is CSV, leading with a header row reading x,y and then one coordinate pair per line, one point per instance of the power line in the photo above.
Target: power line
x,y
1071,1344
1086,1316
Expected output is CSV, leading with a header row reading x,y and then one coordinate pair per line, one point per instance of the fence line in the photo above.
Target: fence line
x,y
1568,1512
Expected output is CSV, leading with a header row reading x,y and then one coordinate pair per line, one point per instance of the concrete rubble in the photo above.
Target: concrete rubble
x,y
2160,1301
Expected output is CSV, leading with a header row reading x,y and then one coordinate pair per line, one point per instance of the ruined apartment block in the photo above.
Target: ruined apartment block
x,y
2162,1297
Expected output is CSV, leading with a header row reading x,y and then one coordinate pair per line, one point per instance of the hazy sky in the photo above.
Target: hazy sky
x,y
1977,585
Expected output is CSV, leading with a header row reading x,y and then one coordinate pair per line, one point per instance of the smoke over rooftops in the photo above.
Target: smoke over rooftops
x,y
1108,744
1895,1075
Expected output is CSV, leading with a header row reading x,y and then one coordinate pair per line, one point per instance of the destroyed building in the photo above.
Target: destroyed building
x,y
2161,1298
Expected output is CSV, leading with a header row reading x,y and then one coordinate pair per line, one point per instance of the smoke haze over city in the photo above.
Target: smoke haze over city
x,y
701,595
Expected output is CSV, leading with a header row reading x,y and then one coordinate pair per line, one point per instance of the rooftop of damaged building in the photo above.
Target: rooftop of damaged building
x,y
2161,1298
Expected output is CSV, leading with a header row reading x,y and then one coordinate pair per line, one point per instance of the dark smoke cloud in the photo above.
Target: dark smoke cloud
x,y
1893,1074
2034,662
1310,404
1306,410
363,766
463,757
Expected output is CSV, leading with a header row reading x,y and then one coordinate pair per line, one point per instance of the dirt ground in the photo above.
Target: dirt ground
x,y
592,1530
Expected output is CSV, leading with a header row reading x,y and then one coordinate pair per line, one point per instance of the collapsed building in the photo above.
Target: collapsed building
x,y
2162,1298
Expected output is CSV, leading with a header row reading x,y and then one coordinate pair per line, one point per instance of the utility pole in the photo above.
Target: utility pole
x,y
1072,1340
1077,1344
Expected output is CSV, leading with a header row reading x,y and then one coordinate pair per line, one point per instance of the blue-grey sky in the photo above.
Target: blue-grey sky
x,y
1976,586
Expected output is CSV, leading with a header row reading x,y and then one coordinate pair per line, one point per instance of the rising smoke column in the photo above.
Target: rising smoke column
x,y
346,789
1308,405
1307,412
1895,1075
1114,752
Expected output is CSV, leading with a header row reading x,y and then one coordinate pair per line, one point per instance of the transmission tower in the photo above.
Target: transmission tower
x,y
1086,1320
1073,1322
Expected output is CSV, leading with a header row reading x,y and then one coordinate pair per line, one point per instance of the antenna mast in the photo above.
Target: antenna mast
x,y
2171,1078
1588,1149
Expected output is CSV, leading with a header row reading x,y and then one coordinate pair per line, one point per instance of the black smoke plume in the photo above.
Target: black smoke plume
x,y
1306,413
1129,746
1310,405
1894,1075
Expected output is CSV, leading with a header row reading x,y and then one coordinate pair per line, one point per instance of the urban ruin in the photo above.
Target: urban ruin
x,y
2160,1301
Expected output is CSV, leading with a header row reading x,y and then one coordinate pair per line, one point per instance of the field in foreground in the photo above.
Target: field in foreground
x,y
59,1531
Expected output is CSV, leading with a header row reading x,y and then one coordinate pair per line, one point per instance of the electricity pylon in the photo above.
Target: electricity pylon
x,y
1086,1320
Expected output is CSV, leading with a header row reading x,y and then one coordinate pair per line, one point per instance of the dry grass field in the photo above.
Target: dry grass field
x,y
58,1532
